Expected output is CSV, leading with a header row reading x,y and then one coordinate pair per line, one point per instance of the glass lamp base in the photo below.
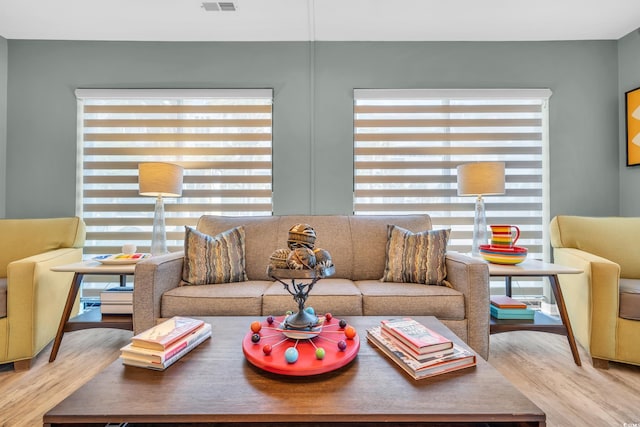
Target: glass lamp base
x,y
479,227
159,234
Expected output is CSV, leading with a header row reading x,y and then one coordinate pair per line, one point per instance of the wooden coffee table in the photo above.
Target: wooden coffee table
x,y
215,384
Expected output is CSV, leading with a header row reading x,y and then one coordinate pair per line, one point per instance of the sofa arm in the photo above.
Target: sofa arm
x,y
36,297
470,276
592,299
153,277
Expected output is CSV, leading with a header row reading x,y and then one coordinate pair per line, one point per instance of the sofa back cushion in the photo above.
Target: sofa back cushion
x,y
22,238
614,238
357,243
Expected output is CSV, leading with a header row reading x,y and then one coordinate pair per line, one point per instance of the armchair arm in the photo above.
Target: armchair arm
x,y
471,277
35,300
153,277
592,299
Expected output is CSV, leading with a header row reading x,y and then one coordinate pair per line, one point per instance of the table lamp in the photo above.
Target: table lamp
x,y
478,179
159,180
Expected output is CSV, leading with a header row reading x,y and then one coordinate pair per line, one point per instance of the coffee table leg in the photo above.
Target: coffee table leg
x,y
557,292
71,298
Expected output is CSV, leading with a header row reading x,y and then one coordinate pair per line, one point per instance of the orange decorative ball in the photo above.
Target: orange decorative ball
x,y
350,332
256,326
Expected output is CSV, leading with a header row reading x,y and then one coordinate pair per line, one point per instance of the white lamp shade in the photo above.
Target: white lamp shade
x,y
160,179
481,178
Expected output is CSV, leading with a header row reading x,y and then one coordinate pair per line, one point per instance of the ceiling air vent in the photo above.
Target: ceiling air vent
x,y
219,6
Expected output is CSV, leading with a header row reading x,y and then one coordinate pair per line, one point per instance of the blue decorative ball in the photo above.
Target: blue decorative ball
x,y
291,355
310,310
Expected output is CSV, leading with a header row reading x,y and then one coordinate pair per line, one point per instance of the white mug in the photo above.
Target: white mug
x,y
128,248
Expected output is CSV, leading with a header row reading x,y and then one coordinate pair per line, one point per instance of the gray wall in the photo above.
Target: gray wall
x,y
3,123
313,123
629,77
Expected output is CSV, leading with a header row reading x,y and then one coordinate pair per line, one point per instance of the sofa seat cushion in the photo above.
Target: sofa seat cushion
x,y
410,299
339,297
3,297
630,299
225,299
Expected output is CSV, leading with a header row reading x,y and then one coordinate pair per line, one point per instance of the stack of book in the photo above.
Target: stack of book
x,y
162,345
504,307
420,351
117,300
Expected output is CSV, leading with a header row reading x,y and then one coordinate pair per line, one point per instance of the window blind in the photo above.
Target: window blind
x,y
408,143
222,139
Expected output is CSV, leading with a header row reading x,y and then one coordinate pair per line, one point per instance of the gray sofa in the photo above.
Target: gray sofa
x,y
357,245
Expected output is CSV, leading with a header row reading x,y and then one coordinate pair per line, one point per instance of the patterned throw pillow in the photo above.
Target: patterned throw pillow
x,y
416,257
212,260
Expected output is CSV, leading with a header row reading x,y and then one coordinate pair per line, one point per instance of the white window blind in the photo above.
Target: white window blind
x,y
408,144
222,139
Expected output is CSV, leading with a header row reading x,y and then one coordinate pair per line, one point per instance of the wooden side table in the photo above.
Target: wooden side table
x,y
90,318
541,322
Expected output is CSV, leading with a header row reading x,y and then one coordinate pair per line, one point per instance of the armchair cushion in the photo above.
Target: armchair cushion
x,y
630,299
214,259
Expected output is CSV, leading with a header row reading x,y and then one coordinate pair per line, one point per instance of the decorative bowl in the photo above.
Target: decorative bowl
x,y
497,255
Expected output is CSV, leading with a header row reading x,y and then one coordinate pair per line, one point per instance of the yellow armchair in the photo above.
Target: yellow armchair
x,y
604,315
32,297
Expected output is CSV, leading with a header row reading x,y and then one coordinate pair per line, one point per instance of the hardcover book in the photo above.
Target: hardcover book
x,y
503,301
416,335
131,352
460,358
116,308
117,294
512,313
420,357
133,360
166,333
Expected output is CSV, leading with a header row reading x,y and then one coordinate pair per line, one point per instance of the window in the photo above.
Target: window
x,y
222,138
408,143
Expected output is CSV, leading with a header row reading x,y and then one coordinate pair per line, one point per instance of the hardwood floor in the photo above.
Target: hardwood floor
x,y
538,364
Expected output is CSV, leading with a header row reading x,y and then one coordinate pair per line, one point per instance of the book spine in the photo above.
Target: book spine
x,y
161,366
170,361
157,356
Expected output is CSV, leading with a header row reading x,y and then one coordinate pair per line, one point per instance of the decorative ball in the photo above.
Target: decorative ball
x,y
270,320
291,355
278,258
323,257
301,236
267,349
350,332
320,353
255,338
301,258
256,326
289,312
342,346
310,310
328,317
343,323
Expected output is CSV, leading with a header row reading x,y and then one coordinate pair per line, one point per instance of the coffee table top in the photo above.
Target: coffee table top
x,y
214,383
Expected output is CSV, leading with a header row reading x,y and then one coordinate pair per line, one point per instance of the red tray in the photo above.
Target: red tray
x,y
307,363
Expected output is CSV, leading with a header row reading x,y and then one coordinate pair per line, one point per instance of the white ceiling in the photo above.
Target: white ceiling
x,y
278,20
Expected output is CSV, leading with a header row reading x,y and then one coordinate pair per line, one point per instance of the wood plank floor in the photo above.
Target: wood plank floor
x,y
538,364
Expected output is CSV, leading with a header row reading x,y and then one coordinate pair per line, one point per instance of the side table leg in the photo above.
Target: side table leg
x,y
562,308
71,298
